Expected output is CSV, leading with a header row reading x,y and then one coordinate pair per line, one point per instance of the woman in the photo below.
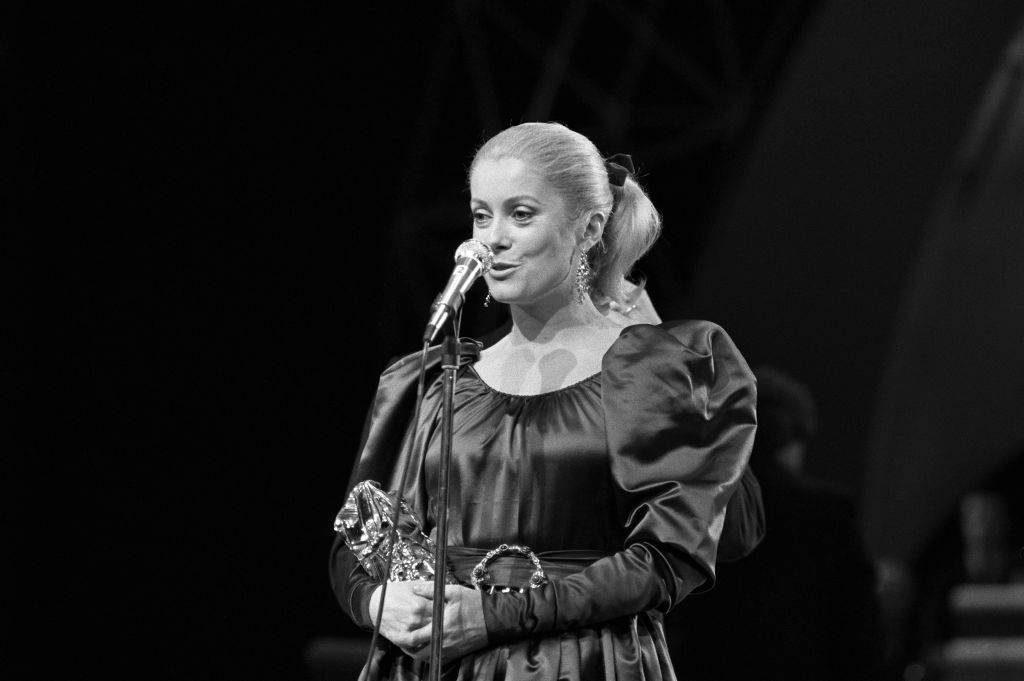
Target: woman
x,y
609,448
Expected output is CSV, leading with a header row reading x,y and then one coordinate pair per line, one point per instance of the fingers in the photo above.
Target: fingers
x,y
416,643
407,638
454,592
408,619
459,637
422,588
408,610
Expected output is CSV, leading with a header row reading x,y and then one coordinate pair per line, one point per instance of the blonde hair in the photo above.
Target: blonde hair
x,y
575,167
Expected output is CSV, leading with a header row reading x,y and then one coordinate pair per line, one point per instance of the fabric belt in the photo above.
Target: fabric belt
x,y
515,570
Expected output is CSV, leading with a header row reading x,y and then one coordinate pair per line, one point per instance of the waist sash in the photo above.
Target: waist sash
x,y
513,570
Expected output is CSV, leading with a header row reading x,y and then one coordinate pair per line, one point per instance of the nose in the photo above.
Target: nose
x,y
498,237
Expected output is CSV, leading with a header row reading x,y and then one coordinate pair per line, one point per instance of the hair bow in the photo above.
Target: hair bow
x,y
619,166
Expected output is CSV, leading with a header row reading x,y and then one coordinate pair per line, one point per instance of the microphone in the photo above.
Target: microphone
x,y
472,258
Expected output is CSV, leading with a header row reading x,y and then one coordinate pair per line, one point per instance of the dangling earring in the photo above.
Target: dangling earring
x,y
583,275
487,299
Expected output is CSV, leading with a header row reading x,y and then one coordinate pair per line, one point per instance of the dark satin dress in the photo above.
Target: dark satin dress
x,y
619,483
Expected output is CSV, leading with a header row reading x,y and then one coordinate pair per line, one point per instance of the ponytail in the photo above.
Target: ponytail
x,y
575,167
630,231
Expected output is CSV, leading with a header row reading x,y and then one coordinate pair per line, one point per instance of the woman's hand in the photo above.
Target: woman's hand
x,y
636,308
408,607
464,627
407,618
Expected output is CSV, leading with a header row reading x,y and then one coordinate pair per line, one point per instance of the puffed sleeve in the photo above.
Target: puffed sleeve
x,y
679,404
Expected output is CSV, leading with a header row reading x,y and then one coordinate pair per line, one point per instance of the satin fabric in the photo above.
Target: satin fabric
x,y
511,570
635,463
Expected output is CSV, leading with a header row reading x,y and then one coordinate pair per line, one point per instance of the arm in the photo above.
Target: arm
x,y
383,455
680,421
351,584
744,520
389,445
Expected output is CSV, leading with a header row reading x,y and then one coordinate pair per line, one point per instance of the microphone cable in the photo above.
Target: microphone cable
x,y
393,530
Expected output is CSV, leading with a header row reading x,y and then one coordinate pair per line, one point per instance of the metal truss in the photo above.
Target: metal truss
x,y
679,85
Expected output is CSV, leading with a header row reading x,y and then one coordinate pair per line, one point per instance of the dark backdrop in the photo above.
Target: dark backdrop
x,y
237,214
226,217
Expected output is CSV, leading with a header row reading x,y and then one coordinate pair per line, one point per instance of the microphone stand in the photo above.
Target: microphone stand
x,y
449,366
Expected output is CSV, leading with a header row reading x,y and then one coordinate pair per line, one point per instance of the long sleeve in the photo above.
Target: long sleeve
x,y
679,406
384,452
744,520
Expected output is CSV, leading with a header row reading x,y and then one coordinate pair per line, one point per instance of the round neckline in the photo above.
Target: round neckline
x,y
494,390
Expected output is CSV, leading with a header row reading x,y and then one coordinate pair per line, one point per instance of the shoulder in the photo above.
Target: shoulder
x,y
692,344
696,335
678,362
469,352
401,369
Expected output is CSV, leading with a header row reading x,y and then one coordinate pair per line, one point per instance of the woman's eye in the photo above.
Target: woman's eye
x,y
480,217
522,214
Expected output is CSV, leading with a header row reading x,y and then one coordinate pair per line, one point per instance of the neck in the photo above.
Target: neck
x,y
539,324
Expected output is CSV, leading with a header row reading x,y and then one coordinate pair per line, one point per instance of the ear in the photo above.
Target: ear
x,y
593,230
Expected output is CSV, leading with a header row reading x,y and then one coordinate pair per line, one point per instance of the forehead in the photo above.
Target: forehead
x,y
493,179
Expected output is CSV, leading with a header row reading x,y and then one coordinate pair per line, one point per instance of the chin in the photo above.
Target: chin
x,y
520,292
503,293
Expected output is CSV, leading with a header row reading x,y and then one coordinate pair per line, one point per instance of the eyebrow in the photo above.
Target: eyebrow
x,y
522,197
512,199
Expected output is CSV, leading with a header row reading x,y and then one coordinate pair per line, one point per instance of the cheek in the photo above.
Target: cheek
x,y
543,255
558,249
551,262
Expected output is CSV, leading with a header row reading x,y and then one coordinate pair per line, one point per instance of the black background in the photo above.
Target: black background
x,y
236,214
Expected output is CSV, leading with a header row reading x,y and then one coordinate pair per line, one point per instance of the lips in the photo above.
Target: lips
x,y
499,269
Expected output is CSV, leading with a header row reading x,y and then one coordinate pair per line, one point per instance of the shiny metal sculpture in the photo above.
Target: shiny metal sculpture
x,y
365,522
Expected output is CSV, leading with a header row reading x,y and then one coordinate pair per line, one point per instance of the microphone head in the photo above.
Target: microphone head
x,y
477,250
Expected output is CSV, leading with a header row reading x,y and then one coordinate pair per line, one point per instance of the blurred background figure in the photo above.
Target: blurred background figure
x,y
802,605
964,610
